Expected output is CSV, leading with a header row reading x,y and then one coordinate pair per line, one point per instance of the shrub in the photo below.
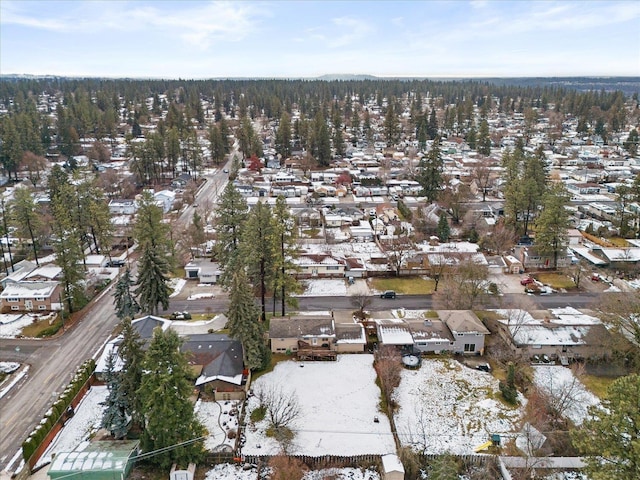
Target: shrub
x,y
258,414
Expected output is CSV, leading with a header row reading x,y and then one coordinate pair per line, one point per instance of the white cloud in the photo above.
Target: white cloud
x,y
200,24
350,30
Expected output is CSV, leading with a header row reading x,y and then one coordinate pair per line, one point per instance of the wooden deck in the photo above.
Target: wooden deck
x,y
308,352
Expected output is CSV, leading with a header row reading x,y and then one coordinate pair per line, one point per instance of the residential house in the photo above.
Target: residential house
x,y
217,360
20,270
430,335
532,260
44,273
165,199
30,296
467,330
350,338
287,333
203,270
123,207
319,266
562,333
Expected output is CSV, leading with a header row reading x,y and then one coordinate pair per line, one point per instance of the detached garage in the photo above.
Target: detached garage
x,y
101,460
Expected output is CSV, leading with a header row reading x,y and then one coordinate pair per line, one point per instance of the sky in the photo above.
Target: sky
x,y
294,39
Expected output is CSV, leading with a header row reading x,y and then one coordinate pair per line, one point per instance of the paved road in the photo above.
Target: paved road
x,y
53,362
221,302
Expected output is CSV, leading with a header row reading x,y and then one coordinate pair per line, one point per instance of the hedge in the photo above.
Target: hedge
x,y
53,415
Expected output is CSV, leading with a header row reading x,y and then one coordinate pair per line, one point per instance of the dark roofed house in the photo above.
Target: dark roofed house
x,y
145,326
218,362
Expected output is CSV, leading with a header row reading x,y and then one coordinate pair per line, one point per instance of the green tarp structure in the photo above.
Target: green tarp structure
x,y
101,460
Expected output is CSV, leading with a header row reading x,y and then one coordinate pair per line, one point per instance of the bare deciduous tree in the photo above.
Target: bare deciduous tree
x,y
361,301
388,366
465,285
560,396
398,249
483,176
282,409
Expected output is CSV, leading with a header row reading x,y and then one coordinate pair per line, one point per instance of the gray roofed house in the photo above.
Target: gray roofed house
x,y
350,337
316,330
430,335
467,329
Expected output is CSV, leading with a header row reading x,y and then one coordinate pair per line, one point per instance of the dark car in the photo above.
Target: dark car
x,y
388,294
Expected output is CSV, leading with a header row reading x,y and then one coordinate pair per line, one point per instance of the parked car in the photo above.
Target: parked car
x,y
225,170
526,281
388,294
181,316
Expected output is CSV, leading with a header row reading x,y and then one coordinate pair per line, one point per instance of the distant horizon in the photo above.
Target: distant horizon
x,y
302,39
328,77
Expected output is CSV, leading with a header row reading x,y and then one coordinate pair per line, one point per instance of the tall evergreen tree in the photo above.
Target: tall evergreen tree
x,y
285,233
553,222
609,437
26,218
484,141
151,287
444,231
283,137
68,250
230,217
114,416
258,250
170,424
244,322
124,300
429,174
391,126
131,354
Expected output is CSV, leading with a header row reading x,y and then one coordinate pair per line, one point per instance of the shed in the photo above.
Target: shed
x,y
182,473
101,460
392,468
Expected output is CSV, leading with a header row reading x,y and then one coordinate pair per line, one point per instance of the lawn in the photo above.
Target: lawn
x,y
404,285
597,385
555,280
619,242
42,328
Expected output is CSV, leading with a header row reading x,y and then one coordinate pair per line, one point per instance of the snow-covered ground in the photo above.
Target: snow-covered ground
x,y
446,407
217,419
559,381
11,367
197,296
176,284
12,325
325,288
226,471
338,402
79,428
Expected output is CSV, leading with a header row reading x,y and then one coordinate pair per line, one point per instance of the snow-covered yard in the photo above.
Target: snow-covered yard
x,y
77,430
11,325
325,288
226,471
560,383
218,420
338,402
446,407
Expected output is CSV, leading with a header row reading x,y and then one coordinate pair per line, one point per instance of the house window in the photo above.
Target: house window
x,y
314,341
332,267
40,299
15,307
12,299
42,307
459,334
469,347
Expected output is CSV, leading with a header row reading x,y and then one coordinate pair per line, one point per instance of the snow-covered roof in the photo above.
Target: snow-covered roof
x,y
391,463
549,335
397,334
29,290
